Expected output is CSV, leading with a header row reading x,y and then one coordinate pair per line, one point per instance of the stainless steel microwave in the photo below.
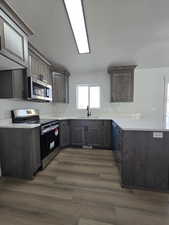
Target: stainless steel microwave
x,y
39,90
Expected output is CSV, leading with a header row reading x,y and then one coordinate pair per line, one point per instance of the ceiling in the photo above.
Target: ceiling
x,y
120,32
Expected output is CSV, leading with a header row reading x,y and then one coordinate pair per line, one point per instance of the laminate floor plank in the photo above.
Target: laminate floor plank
x,y
79,187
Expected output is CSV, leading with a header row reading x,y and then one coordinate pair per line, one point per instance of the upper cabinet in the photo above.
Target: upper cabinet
x,y
12,84
14,39
122,83
60,87
39,66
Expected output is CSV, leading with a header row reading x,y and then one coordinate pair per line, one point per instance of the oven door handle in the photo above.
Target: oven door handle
x,y
47,130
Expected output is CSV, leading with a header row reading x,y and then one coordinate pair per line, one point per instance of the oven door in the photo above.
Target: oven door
x,y
49,139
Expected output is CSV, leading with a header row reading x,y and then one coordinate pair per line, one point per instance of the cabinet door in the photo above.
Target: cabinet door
x,y
95,133
122,87
95,137
18,83
108,134
35,150
33,65
77,133
60,88
37,67
14,43
64,134
12,84
44,71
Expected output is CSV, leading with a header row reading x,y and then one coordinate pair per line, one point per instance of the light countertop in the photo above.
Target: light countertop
x,y
8,124
142,124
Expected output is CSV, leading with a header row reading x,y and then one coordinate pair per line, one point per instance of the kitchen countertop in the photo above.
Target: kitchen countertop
x,y
134,124
142,124
8,124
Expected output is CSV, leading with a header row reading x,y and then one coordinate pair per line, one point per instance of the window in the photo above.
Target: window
x,y
88,96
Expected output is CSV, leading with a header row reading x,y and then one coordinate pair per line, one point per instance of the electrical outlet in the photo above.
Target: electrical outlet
x,y
157,134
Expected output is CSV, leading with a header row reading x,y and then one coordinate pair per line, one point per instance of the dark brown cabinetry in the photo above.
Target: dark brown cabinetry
x,y
94,133
60,87
12,84
78,138
107,134
14,38
91,133
117,141
64,133
20,152
39,67
143,159
122,83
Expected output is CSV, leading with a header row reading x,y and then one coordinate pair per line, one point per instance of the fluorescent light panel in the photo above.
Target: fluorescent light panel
x,y
76,17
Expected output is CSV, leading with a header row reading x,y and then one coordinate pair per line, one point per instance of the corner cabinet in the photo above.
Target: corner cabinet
x,y
39,66
14,39
60,87
122,83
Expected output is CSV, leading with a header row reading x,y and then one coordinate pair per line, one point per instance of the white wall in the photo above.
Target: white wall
x,y
148,94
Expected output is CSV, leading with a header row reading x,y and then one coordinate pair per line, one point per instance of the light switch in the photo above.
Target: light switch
x,y
157,134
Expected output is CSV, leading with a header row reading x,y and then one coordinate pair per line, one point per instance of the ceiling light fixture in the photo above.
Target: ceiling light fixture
x,y
75,12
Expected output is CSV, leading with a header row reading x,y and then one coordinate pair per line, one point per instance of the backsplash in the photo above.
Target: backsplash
x,y
7,105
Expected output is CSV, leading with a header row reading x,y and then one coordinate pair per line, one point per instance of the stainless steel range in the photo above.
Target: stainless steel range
x,y
49,132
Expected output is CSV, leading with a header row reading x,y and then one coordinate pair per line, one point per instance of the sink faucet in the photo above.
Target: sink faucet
x,y
88,111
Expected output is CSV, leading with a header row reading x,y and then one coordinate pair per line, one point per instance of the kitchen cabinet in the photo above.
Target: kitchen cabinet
x,y
122,83
94,133
117,143
60,87
12,84
39,67
107,131
64,133
142,159
14,38
78,137
91,133
20,152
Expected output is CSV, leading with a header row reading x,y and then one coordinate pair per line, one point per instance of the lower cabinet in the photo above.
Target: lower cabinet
x,y
20,152
144,160
91,133
94,133
64,133
78,137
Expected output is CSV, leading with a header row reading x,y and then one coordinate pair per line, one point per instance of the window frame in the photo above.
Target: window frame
x,y
89,86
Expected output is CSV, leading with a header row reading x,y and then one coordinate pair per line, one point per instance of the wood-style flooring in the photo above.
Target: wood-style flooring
x,y
80,187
